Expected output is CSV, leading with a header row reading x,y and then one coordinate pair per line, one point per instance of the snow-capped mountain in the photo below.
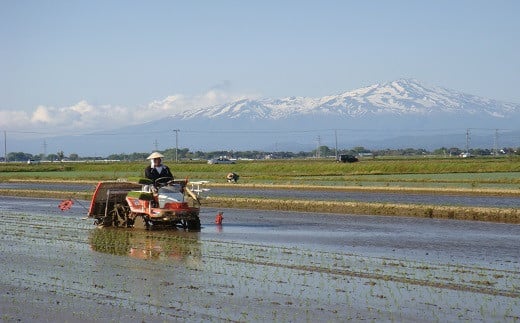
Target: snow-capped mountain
x,y
414,114
401,97
411,97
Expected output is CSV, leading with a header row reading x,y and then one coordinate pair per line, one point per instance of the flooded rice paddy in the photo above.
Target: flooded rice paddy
x,y
258,266
438,198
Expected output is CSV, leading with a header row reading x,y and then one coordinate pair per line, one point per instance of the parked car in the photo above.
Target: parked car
x,y
220,160
347,159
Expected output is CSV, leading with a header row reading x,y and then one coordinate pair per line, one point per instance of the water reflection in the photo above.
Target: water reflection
x,y
178,246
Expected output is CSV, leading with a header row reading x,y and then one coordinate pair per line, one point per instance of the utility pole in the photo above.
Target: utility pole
x,y
156,144
176,144
336,147
5,146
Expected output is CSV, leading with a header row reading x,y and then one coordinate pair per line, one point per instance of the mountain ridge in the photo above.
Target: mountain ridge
x,y
404,96
398,114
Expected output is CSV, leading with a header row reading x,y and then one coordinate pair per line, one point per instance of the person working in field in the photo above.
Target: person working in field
x,y
156,169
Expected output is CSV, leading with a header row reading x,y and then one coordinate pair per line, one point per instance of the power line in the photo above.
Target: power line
x,y
244,131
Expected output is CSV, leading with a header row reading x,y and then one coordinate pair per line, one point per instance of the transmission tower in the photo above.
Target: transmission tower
x,y
468,138
44,149
336,146
318,152
5,146
495,143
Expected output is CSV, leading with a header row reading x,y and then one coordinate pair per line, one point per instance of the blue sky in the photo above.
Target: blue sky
x,y
87,64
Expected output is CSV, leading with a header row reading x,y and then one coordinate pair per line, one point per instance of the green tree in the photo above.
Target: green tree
x,y
323,151
454,151
441,151
19,156
52,157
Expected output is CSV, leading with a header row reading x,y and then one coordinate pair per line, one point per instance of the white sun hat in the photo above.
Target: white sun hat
x,y
155,155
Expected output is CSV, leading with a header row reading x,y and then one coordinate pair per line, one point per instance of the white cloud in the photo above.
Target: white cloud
x,y
41,115
83,117
13,119
179,103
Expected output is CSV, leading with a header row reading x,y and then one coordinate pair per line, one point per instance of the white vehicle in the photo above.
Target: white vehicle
x,y
221,160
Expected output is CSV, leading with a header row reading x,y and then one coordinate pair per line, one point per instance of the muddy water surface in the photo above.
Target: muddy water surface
x,y
257,266
312,195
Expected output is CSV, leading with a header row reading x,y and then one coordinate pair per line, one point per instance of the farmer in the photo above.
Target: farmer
x,y
156,169
232,177
219,217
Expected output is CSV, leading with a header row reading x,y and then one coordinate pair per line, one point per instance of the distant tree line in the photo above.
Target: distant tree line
x,y
320,152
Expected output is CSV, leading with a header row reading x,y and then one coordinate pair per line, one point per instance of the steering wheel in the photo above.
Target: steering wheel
x,y
162,181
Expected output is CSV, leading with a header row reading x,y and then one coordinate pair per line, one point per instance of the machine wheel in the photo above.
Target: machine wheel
x,y
140,223
119,215
193,225
107,221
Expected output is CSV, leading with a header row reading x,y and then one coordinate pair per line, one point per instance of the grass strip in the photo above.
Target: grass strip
x,y
381,189
363,208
